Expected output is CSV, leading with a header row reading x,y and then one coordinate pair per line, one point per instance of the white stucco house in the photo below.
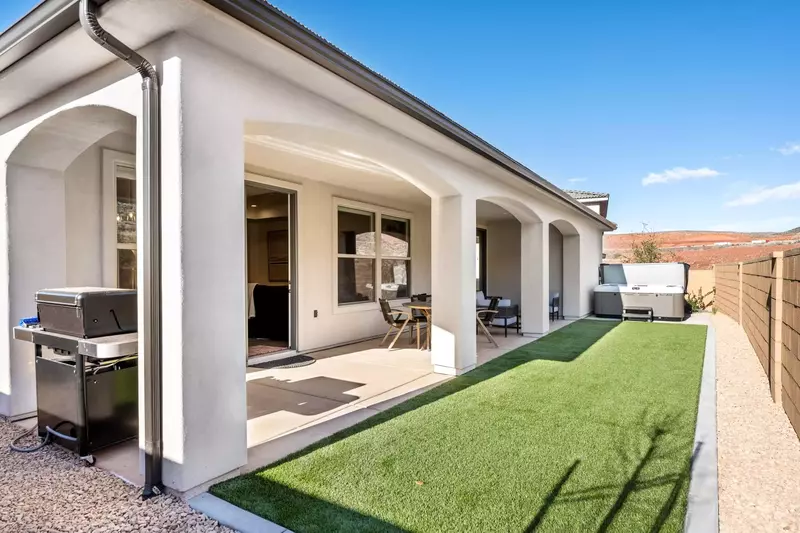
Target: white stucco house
x,y
255,111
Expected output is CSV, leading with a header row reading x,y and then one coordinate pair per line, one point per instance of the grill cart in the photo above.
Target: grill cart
x,y
86,367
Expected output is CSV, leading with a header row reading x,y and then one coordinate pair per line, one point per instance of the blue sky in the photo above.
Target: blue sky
x,y
687,112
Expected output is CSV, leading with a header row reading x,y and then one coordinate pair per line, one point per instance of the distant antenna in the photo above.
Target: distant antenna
x,y
645,228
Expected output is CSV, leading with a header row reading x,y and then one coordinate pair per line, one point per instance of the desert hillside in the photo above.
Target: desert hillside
x,y
701,249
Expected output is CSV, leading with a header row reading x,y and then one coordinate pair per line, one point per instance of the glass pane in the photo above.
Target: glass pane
x,y
356,232
395,278
356,280
126,269
395,237
126,211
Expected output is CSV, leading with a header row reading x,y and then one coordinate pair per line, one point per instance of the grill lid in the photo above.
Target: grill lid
x,y
73,296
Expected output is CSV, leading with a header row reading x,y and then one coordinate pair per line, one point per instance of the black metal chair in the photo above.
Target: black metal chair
x,y
396,319
506,314
555,306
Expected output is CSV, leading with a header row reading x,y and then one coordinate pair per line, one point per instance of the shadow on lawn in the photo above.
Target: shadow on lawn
x,y
657,449
564,345
301,512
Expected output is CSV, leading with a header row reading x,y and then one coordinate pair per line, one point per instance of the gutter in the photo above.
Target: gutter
x,y
54,16
150,247
44,22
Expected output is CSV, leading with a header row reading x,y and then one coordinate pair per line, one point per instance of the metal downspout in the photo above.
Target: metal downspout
x,y
151,245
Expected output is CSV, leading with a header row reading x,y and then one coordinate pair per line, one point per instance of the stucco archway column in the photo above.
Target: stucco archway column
x,y
203,280
453,284
571,297
535,258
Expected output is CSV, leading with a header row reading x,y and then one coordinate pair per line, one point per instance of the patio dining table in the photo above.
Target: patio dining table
x,y
426,308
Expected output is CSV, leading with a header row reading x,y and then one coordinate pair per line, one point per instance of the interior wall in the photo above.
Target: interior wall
x,y
83,181
556,261
258,249
503,259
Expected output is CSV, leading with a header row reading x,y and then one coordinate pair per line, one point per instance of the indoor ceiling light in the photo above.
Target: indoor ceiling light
x,y
253,205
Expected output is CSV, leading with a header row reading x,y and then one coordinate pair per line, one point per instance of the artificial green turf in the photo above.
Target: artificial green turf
x,y
588,429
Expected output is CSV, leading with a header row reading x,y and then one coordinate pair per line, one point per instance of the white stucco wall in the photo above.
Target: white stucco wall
x,y
503,261
204,269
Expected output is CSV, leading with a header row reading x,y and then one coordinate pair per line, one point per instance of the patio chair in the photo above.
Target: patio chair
x,y
397,319
555,306
485,318
507,315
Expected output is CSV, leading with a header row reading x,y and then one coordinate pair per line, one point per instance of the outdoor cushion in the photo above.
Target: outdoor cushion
x,y
503,321
481,300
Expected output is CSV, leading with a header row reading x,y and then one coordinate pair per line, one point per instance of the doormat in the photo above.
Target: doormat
x,y
293,361
263,349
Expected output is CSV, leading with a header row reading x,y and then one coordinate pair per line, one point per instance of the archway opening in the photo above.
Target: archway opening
x,y
71,214
564,270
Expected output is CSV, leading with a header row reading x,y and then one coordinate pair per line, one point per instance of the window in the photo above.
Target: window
x,y
119,220
126,226
364,266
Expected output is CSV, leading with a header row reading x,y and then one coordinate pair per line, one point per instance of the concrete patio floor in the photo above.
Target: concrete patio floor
x,y
288,409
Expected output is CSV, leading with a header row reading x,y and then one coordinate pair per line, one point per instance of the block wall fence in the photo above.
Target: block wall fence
x,y
763,296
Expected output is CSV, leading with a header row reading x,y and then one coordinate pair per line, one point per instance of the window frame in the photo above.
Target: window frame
x,y
377,212
111,246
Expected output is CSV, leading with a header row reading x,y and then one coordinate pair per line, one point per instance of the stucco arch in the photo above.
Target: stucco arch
x,y
50,221
565,265
311,141
55,142
521,211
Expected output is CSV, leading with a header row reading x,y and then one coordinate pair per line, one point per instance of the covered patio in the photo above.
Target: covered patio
x,y
288,409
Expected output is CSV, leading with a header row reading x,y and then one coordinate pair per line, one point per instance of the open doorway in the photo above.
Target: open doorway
x,y
270,265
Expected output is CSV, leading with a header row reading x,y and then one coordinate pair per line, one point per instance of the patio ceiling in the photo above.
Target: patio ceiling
x,y
325,162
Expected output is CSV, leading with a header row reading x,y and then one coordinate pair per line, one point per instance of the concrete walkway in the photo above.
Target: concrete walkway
x,y
759,452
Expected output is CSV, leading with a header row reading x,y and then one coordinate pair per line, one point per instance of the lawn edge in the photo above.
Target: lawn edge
x,y
233,516
702,507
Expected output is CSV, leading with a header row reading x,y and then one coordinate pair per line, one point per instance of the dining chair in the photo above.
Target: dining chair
x,y
485,318
397,319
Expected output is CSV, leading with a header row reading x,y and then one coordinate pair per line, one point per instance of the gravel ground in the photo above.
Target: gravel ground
x,y
759,452
52,491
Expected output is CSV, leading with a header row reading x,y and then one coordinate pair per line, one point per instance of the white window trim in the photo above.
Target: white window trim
x,y
377,211
112,158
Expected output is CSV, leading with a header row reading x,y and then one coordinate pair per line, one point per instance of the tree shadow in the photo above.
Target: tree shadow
x,y
657,449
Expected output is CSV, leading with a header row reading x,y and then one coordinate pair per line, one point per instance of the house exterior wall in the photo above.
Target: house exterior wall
x,y
556,260
503,260
203,238
316,284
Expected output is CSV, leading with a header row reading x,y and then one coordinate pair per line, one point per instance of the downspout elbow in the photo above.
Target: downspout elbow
x,y
90,24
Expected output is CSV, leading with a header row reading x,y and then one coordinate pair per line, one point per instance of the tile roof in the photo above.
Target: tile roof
x,y
586,195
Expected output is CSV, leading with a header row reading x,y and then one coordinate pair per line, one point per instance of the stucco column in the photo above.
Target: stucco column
x,y
572,283
535,257
453,284
204,285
